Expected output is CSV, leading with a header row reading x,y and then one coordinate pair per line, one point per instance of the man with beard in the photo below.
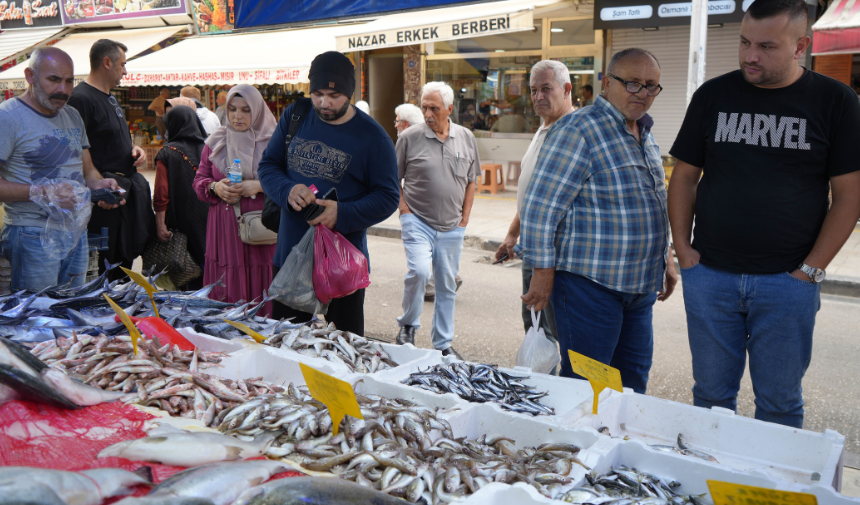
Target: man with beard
x,y
769,142
42,138
115,157
336,147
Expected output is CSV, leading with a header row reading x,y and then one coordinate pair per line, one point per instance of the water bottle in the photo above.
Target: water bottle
x,y
234,175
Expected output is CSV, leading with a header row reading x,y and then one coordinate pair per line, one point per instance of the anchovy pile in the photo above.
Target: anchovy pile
x,y
357,353
627,486
481,383
400,448
164,377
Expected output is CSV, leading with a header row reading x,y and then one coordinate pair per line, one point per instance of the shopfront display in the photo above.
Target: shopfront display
x,y
93,11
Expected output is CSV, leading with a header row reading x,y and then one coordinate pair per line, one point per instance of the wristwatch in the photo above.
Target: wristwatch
x,y
815,274
212,189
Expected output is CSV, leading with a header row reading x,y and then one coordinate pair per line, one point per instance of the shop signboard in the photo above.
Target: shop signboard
x,y
213,16
94,11
214,78
614,14
17,14
451,30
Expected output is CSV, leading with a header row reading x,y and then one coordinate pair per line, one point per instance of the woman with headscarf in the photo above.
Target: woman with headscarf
x,y
247,269
175,203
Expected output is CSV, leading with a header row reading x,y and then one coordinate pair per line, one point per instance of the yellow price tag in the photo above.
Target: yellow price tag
x,y
247,331
336,394
600,376
132,329
142,282
726,493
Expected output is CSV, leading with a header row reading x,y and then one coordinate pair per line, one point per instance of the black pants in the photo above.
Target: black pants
x,y
346,313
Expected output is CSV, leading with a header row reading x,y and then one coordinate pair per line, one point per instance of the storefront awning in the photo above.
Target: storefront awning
x,y
78,47
838,30
13,42
274,57
437,25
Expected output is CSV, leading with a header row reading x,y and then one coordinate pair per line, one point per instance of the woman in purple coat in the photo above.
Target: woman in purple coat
x,y
247,269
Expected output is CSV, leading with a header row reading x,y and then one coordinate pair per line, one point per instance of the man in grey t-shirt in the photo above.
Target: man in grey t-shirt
x,y
41,138
438,163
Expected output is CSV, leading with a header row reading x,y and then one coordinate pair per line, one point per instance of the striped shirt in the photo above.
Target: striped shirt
x,y
596,204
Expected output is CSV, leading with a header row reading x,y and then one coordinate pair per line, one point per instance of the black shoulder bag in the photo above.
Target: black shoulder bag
x,y
271,217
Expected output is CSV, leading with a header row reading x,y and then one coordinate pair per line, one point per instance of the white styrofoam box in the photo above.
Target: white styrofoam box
x,y
368,385
825,494
737,442
209,343
497,493
692,473
270,366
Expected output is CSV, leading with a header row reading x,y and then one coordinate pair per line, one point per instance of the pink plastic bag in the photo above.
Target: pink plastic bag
x,y
339,268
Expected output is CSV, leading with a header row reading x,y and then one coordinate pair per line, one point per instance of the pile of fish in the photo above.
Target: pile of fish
x,y
627,486
60,311
26,485
399,448
481,383
159,376
317,340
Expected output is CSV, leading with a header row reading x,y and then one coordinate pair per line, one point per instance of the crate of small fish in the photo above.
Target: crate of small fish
x,y
350,353
517,391
719,436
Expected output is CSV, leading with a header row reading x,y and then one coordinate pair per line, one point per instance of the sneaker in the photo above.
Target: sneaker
x,y
459,282
406,335
451,352
430,297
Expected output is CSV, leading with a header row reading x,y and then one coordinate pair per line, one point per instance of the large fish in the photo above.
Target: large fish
x,y
88,288
76,391
314,491
188,449
28,493
89,487
221,483
32,388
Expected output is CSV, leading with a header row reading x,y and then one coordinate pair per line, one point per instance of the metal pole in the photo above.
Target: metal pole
x,y
698,44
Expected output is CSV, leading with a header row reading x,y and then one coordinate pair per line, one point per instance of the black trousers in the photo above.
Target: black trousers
x,y
346,313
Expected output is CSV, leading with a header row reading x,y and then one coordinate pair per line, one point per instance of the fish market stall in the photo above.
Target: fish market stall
x,y
80,392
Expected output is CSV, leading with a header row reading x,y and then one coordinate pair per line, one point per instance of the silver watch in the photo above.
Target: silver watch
x,y
816,274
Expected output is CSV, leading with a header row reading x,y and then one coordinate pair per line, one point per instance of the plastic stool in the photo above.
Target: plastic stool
x,y
492,178
516,168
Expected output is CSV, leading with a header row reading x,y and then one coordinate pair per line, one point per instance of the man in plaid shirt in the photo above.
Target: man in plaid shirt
x,y
595,226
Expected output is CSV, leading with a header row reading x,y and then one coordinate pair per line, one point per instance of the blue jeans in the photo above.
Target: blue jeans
x,y
769,317
32,269
426,250
609,326
547,319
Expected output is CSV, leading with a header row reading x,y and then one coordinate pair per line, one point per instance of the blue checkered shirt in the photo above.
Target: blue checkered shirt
x,y
596,203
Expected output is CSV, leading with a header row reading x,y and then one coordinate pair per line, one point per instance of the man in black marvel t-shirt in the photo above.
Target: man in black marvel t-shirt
x,y
769,141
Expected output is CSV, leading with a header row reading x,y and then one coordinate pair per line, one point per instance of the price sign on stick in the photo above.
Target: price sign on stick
x,y
600,376
132,329
726,493
336,394
142,282
247,331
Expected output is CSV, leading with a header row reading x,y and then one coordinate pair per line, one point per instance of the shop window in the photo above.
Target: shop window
x,y
517,41
581,75
572,32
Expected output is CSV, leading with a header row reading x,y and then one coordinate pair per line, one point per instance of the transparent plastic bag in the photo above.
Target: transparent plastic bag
x,y
538,352
67,203
340,269
294,284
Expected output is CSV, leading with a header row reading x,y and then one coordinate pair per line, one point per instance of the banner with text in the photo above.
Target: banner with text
x,y
452,30
614,14
29,14
268,76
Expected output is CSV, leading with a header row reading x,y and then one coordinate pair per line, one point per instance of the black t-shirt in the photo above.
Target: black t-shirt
x,y
767,156
110,144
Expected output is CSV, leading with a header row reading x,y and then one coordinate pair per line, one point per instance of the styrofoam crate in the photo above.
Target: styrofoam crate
x,y
737,442
209,343
497,493
825,495
369,385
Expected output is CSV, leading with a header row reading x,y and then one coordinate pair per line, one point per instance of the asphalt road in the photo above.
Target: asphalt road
x,y
489,329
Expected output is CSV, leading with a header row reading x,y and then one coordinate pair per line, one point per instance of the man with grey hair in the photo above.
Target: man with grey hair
x,y
438,163
42,138
406,115
551,98
595,227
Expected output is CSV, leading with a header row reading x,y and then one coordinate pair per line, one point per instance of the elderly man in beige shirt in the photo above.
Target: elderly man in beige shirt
x,y
438,163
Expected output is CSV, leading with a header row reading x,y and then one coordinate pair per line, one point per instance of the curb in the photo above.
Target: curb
x,y
838,285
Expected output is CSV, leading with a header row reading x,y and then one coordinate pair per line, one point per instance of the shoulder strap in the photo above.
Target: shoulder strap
x,y
303,105
237,211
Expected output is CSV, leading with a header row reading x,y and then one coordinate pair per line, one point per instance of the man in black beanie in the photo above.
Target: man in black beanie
x,y
336,146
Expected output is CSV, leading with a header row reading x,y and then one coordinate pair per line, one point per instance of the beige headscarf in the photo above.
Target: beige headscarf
x,y
228,144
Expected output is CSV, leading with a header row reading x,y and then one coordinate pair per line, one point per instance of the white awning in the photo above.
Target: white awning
x,y
13,42
78,45
449,23
837,31
271,57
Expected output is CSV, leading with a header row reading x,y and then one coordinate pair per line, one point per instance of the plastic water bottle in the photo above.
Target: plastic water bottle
x,y
234,175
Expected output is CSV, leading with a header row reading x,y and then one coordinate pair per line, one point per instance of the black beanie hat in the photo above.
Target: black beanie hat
x,y
333,70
